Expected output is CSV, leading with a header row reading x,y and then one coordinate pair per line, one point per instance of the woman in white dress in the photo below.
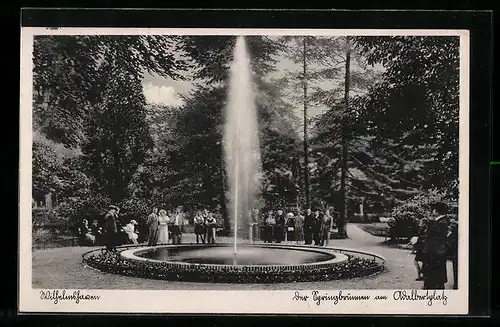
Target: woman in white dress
x,y
130,230
163,220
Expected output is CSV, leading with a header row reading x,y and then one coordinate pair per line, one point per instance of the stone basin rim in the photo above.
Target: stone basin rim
x,y
337,256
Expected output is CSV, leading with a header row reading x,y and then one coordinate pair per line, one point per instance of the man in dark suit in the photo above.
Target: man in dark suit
x,y
452,250
153,223
111,234
280,226
316,226
308,224
434,249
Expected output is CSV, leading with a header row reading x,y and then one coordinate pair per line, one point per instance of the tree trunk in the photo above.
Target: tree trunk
x,y
307,190
343,163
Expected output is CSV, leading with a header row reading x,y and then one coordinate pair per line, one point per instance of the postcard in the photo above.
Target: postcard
x,y
244,171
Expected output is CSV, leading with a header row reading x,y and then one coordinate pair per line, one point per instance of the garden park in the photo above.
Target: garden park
x,y
364,126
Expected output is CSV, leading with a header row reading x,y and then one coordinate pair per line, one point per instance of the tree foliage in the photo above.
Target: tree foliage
x,y
67,79
419,92
117,133
213,55
46,165
88,95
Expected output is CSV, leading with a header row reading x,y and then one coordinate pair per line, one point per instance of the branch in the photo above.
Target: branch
x,y
367,193
380,174
370,169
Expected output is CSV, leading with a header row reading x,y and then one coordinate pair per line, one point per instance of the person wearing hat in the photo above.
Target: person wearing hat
x,y
299,227
111,234
326,227
434,249
163,221
199,226
269,223
308,227
279,228
290,227
177,222
129,229
316,226
152,223
211,224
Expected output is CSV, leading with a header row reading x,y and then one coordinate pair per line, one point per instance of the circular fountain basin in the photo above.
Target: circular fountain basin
x,y
253,263
248,257
244,256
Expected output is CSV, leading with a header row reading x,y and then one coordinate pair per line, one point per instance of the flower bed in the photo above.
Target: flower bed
x,y
113,263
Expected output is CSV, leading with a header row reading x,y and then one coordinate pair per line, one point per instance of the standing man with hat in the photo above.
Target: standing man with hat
x,y
152,223
111,227
279,228
316,226
308,227
177,226
434,249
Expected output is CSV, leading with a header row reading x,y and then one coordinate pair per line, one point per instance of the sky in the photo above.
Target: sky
x,y
160,90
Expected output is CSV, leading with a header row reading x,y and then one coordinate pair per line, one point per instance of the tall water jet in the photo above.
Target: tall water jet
x,y
241,142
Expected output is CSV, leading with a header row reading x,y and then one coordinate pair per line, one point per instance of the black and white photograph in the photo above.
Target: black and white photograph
x,y
244,171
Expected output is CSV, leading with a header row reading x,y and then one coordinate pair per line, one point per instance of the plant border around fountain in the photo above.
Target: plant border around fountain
x,y
348,263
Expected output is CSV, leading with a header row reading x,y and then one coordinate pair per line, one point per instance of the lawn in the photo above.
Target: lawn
x,y
375,229
63,268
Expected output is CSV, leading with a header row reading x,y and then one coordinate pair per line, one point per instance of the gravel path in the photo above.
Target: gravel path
x,y
63,268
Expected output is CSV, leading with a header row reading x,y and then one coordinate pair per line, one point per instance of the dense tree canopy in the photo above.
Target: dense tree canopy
x,y
419,92
67,75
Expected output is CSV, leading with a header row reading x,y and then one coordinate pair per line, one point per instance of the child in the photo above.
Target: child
x,y
418,246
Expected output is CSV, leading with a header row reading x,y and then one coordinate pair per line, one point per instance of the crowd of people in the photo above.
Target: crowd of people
x,y
162,227
436,243
205,227
310,227
159,227
90,234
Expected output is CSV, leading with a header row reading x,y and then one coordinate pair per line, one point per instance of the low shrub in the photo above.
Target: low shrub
x,y
91,206
407,215
48,224
403,227
41,235
366,218
42,217
136,209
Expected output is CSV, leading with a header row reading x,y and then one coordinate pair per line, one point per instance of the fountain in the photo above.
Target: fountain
x,y
237,262
241,141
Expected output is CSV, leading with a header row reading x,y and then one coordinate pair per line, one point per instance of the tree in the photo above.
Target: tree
x,y
155,175
195,152
46,166
332,81
419,91
302,51
88,95
66,80
117,134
